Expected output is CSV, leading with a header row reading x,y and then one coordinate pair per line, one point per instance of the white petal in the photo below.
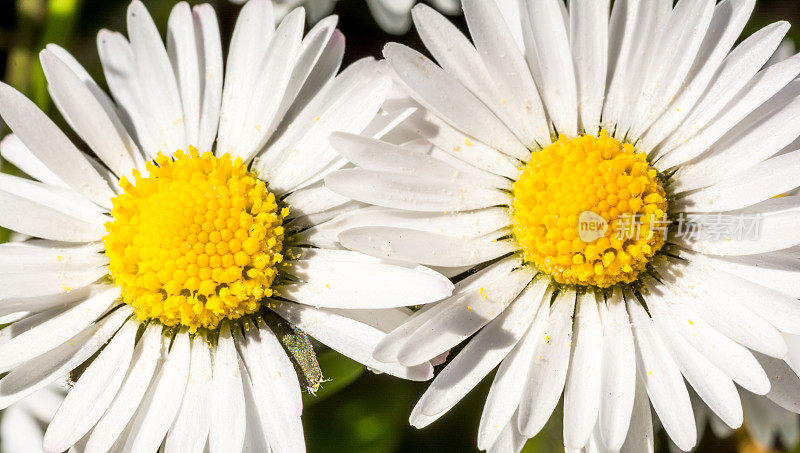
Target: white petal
x,y
663,379
281,427
20,431
439,92
390,119
388,348
351,112
182,49
331,255
776,221
469,225
316,85
55,331
710,383
100,129
584,380
321,94
559,88
733,359
228,423
14,151
755,139
391,16
384,320
483,352
251,36
313,229
24,305
211,73
42,255
425,248
785,390
509,382
622,38
468,312
119,66
780,310
774,270
26,321
264,98
190,431
37,373
349,337
548,372
728,21
458,57
435,163
737,87
93,393
341,284
461,146
281,373
640,433
159,89
254,438
651,19
52,147
146,357
761,182
520,105
589,40
734,319
412,193
677,52
510,440
315,49
371,154
619,373
61,199
47,283
163,400
44,404
311,200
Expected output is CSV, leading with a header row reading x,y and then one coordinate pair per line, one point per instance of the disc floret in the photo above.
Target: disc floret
x,y
589,211
196,241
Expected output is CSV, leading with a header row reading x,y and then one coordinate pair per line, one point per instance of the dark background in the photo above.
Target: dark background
x,y
371,414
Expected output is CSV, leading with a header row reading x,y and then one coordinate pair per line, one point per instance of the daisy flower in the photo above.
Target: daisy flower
x,y
604,192
393,16
159,268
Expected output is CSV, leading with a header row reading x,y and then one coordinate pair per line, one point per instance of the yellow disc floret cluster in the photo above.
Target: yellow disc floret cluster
x,y
195,242
589,211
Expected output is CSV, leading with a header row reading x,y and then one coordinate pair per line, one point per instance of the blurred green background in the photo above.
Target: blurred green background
x,y
356,411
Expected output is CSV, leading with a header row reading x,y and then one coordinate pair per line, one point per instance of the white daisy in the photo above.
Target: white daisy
x,y
659,117
393,16
165,267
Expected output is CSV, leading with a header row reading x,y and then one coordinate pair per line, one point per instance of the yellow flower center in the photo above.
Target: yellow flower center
x,y
195,242
589,211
